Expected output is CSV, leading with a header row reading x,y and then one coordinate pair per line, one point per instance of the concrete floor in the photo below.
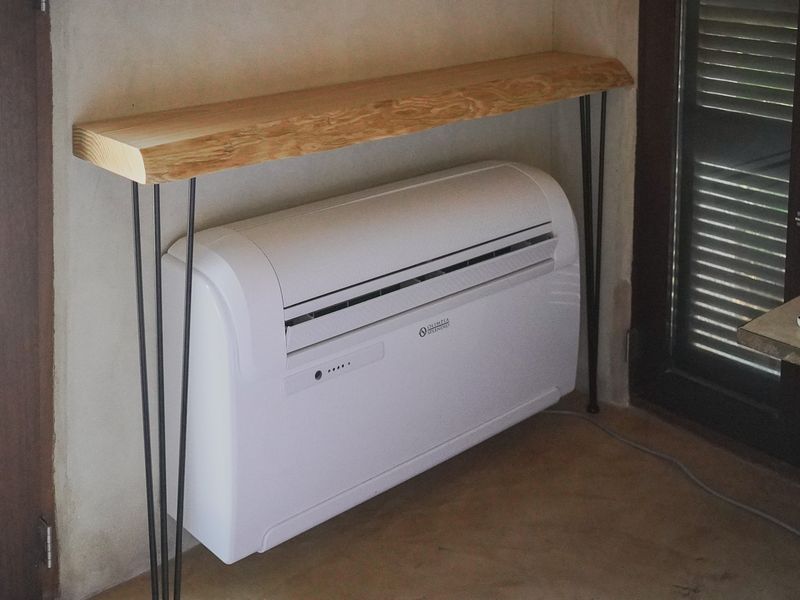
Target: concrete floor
x,y
550,509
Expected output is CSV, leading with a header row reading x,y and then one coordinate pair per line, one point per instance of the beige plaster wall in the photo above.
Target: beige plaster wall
x,y
608,28
116,57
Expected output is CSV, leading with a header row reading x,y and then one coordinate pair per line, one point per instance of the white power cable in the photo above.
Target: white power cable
x,y
675,462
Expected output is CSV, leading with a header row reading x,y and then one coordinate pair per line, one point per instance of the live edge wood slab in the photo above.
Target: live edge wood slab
x,y
775,333
186,142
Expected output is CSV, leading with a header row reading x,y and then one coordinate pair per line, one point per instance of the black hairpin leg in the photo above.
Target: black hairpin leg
x,y
594,408
148,464
163,592
187,320
592,242
162,435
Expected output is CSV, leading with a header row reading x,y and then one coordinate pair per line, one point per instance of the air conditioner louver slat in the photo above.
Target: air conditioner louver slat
x,y
332,320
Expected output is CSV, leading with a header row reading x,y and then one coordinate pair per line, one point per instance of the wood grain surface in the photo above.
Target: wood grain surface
x,y
187,142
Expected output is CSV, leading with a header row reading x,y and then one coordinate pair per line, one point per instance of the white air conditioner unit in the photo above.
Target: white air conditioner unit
x,y
344,346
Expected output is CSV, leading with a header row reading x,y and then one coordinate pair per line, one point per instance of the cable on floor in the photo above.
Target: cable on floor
x,y
675,462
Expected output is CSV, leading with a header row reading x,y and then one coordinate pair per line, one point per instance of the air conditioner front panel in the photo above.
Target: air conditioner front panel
x,y
335,246
343,346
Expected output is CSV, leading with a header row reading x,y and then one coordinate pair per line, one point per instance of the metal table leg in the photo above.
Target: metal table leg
x,y
148,461
161,592
162,435
187,320
592,239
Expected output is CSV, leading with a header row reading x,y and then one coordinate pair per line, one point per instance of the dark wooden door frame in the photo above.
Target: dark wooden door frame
x,y
652,372
790,374
653,187
26,301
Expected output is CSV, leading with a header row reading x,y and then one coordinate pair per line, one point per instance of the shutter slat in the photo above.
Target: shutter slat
x,y
747,32
728,89
753,47
746,62
748,16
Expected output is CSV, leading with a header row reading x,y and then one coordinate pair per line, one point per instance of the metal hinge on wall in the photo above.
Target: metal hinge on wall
x,y
46,535
42,5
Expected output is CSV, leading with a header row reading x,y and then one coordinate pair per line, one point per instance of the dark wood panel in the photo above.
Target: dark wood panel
x,y
44,133
658,30
26,299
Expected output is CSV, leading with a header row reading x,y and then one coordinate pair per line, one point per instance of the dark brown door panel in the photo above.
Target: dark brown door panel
x,y
26,300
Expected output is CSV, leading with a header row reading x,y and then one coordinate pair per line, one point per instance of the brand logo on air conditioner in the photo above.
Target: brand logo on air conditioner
x,y
435,327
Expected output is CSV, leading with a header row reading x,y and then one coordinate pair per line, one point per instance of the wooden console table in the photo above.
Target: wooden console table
x,y
184,143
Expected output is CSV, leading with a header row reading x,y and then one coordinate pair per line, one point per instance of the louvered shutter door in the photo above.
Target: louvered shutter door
x,y
737,230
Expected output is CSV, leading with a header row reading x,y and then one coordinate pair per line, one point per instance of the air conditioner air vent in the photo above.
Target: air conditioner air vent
x,y
327,310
